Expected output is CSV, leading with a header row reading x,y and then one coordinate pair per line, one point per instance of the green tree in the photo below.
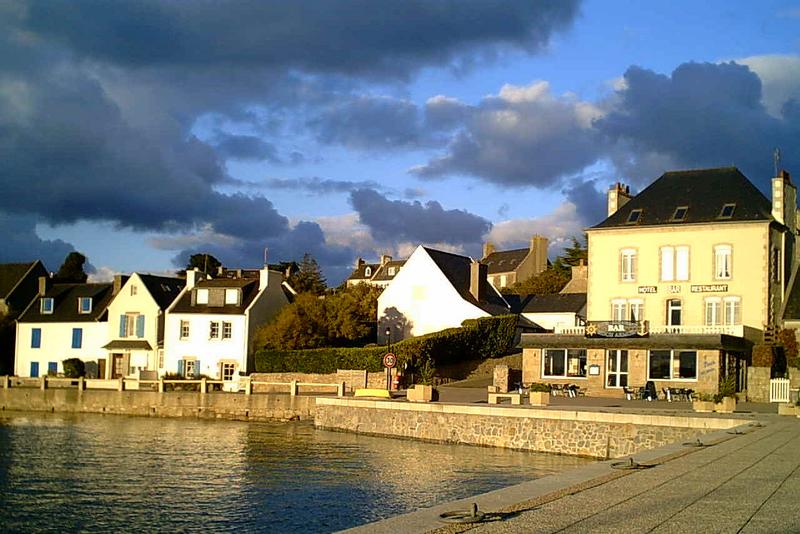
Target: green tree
x,y
71,271
204,262
7,337
573,255
74,368
351,314
308,278
547,282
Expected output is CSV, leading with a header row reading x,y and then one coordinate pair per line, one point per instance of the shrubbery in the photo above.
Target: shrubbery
x,y
477,338
74,368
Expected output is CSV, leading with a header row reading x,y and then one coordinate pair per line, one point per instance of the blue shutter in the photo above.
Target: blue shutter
x,y
122,321
34,369
77,338
36,341
140,326
196,368
181,367
52,368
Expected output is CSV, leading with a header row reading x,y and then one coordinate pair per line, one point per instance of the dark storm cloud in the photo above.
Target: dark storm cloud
x,y
245,147
590,204
21,244
353,37
318,186
702,115
398,221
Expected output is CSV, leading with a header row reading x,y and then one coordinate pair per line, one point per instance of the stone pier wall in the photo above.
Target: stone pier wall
x,y
589,434
169,404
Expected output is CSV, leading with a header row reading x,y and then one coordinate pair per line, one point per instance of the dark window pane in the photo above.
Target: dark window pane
x,y
659,365
687,364
554,362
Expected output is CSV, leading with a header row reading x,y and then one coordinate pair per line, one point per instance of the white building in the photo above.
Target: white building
x,y
136,324
210,326
436,290
64,321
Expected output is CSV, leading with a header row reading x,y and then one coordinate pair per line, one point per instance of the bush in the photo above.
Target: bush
x,y
763,356
540,387
788,339
727,388
74,368
478,338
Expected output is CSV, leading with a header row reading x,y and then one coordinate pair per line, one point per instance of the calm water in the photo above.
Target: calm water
x,y
98,473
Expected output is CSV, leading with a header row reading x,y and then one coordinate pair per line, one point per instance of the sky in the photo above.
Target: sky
x,y
142,132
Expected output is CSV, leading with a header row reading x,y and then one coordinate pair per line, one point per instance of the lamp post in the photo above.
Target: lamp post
x,y
388,333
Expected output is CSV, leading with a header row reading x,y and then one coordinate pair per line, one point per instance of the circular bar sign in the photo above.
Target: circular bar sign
x,y
389,360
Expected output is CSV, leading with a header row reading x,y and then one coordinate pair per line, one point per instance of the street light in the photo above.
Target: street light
x,y
388,333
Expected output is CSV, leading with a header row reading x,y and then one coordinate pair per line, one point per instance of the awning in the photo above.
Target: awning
x,y
128,344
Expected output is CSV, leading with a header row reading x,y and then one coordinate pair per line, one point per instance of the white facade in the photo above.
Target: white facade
x,y
420,300
56,345
551,320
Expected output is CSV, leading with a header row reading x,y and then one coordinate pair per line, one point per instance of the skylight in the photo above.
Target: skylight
x,y
680,213
727,211
634,216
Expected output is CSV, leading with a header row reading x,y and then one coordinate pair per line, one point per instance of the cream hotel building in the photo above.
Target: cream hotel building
x,y
683,279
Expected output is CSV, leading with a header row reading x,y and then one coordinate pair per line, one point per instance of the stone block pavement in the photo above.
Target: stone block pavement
x,y
745,481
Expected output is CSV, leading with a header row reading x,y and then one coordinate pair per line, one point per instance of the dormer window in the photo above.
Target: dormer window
x,y
232,296
368,271
634,217
202,296
727,211
680,213
85,305
391,271
46,305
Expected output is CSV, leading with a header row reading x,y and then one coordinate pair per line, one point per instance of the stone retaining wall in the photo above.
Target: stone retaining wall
x,y
353,380
154,404
590,434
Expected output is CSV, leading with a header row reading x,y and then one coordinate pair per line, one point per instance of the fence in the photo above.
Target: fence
x,y
161,385
779,390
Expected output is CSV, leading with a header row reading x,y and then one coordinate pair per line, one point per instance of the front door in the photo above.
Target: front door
x,y
117,365
101,368
616,368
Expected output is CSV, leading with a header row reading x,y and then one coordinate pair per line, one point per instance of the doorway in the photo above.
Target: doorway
x,y
616,368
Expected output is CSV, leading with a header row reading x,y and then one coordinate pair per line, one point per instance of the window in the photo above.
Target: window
x,y
52,368
184,329
46,305
134,290
36,338
213,330
34,369
227,328
674,263
503,280
228,369
727,211
672,365
619,308
636,307
202,296
680,213
190,368
85,305
673,312
634,216
160,358
77,338
722,262
391,271
232,296
564,363
628,265
732,310
713,311
131,324
368,271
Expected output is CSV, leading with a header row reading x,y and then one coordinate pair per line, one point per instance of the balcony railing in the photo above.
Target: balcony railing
x,y
730,330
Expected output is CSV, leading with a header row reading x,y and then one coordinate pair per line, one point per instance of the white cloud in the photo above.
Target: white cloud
x,y
559,226
347,231
780,78
201,237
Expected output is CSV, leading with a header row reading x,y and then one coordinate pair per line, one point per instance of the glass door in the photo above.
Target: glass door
x,y
616,368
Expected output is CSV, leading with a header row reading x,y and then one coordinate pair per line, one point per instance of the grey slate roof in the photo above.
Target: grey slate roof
x,y
556,303
704,191
360,273
457,269
383,271
11,274
65,304
505,261
249,292
163,289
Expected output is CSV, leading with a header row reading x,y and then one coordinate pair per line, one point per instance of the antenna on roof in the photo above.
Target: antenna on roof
x,y
265,255
776,158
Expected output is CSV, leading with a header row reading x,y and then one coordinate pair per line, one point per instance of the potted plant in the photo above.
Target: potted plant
x,y
424,390
539,394
725,399
703,403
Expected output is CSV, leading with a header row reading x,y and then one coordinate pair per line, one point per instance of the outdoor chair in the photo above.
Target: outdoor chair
x,y
650,393
630,394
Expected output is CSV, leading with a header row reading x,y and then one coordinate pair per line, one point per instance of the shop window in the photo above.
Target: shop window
x,y
672,365
564,363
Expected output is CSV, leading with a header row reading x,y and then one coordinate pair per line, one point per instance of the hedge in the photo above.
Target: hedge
x,y
475,339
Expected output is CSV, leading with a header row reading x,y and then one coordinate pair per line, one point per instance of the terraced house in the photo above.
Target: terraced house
x,y
683,278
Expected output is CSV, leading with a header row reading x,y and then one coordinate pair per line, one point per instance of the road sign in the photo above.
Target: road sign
x,y
389,360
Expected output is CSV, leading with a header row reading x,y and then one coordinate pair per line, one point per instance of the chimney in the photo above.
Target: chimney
x,y
477,277
385,258
538,249
44,284
580,271
360,263
784,200
119,281
618,196
488,248
191,277
263,278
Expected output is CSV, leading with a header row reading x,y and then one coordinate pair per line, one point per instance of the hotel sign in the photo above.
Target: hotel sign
x,y
617,329
648,289
710,288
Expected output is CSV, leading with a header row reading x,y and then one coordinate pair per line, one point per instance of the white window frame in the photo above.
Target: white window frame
x,y
675,263
638,306
187,364
213,330
732,310
503,280
227,329
185,329
619,310
723,264
224,368
202,296
627,257
674,365
566,364
713,311
671,308
81,300
390,270
45,309
232,296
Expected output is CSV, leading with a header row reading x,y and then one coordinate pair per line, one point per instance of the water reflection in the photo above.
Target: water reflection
x,y
99,473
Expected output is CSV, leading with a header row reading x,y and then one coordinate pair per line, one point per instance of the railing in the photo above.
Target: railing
x,y
779,390
123,384
570,330
731,330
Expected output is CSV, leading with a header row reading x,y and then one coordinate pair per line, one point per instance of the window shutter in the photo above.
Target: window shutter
x,y
140,326
196,368
122,321
180,367
36,338
77,338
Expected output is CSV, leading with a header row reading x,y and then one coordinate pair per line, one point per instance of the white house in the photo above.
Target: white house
x,y
210,326
557,310
436,290
136,323
64,321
